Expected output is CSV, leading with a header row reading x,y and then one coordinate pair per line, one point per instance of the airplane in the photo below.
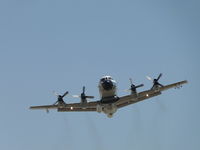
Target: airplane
x,y
109,102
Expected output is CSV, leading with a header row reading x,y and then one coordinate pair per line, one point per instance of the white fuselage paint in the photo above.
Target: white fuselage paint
x,y
106,95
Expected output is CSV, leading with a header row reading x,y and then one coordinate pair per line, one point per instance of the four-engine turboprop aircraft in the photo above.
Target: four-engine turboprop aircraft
x,y
109,102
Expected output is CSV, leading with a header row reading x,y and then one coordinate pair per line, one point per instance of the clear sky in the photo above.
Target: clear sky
x,y
61,45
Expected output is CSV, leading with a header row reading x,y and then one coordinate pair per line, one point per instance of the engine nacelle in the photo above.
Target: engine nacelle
x,y
83,101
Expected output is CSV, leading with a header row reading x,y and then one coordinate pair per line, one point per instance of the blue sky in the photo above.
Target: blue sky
x,y
62,45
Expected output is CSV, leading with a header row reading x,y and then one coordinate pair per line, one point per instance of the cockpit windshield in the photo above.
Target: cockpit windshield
x,y
106,78
103,79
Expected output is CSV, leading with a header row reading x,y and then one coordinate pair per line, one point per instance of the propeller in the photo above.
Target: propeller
x,y
134,87
60,97
83,96
149,78
155,81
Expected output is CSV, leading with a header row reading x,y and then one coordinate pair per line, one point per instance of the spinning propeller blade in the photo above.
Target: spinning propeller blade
x,y
89,96
131,81
149,78
55,93
76,96
84,89
65,94
60,97
139,85
160,75
134,87
155,81
83,96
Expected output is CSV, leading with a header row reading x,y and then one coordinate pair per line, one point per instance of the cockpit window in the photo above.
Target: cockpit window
x,y
106,78
103,79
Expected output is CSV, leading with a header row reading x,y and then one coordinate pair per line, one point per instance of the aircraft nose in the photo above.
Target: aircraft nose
x,y
107,85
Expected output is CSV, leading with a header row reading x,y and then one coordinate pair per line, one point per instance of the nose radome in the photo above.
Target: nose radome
x,y
107,85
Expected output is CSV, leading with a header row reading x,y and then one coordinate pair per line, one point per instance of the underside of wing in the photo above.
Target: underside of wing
x,y
44,107
67,109
82,105
174,85
89,106
130,99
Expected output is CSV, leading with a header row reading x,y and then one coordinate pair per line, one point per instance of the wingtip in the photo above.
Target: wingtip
x,y
32,107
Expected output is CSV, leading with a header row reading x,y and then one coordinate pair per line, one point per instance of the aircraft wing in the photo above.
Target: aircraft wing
x,y
90,106
130,99
44,107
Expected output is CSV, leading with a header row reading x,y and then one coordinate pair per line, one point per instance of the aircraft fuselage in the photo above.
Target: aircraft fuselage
x,y
108,93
